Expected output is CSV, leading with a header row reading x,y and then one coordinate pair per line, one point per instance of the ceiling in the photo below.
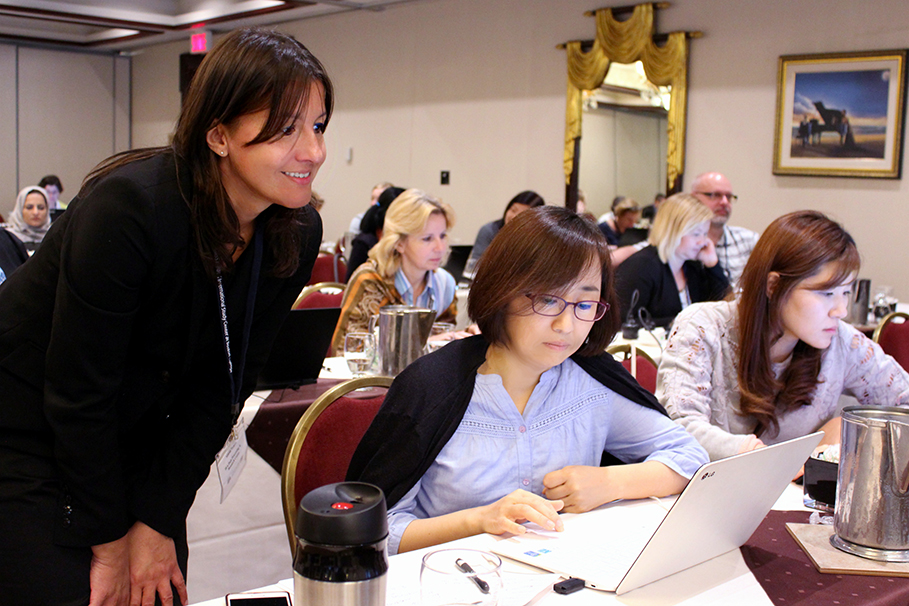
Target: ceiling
x,y
122,25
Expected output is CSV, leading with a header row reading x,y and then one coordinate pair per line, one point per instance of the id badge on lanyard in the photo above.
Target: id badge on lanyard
x,y
232,457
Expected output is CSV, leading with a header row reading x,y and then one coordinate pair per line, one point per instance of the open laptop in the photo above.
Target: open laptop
x,y
299,349
457,259
624,545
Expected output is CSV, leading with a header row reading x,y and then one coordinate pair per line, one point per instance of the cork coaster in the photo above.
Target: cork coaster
x,y
814,539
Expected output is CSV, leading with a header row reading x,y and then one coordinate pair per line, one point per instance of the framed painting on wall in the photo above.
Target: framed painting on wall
x,y
840,114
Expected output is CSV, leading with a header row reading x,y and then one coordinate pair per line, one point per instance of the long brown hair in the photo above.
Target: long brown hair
x,y
795,246
542,251
249,70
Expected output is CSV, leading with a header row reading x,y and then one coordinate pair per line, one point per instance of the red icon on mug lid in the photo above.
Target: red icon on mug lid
x,y
342,506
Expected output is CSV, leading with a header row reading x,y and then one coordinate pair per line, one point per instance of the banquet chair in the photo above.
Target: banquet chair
x,y
644,369
323,442
323,294
328,268
893,337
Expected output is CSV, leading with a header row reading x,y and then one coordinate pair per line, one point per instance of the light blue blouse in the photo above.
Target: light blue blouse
x,y
438,294
570,419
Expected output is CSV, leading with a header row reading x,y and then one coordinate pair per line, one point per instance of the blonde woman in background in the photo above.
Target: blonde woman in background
x,y
404,268
31,218
678,268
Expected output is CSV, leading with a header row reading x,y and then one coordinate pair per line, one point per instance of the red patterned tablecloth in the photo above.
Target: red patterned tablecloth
x,y
789,578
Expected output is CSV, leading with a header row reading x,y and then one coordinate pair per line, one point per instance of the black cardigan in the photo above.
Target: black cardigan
x,y
426,403
643,271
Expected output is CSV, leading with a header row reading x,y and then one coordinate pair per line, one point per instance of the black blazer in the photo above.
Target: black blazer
x,y
643,271
111,359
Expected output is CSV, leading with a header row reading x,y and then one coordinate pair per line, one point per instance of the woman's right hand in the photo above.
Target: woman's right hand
x,y
752,442
154,568
109,573
507,514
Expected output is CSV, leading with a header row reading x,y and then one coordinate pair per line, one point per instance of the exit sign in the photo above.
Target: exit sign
x,y
200,43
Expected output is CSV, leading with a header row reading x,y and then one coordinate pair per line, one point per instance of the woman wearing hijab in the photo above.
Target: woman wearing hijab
x,y
31,218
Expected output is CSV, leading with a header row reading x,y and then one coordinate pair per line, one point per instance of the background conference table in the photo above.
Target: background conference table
x,y
723,581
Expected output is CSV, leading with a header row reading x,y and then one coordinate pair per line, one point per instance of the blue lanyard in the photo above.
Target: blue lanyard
x,y
236,375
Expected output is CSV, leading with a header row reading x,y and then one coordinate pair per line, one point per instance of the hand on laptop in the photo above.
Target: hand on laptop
x,y
582,488
507,514
751,442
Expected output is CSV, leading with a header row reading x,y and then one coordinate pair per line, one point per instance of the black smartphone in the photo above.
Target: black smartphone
x,y
270,598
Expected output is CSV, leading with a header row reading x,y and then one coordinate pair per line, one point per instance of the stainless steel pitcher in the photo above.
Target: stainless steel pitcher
x,y
403,332
872,500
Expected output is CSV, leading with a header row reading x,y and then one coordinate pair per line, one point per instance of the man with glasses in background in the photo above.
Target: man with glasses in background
x,y
733,244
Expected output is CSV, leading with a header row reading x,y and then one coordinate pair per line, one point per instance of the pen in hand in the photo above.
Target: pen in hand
x,y
465,568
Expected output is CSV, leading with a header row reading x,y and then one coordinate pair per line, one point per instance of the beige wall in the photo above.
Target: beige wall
x,y
477,88
62,112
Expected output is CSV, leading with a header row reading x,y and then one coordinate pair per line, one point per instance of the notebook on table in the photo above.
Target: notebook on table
x,y
299,349
622,546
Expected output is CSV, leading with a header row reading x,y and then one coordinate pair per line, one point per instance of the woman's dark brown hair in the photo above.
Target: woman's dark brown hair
x,y
528,198
796,246
249,70
543,250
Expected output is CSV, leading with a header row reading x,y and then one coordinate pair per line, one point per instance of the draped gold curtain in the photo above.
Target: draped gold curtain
x,y
626,42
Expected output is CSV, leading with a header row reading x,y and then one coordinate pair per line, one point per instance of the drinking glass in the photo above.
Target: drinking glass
x,y
882,302
450,577
359,351
470,268
438,328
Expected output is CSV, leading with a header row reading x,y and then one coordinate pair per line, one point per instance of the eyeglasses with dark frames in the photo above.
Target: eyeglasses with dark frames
x,y
551,305
718,195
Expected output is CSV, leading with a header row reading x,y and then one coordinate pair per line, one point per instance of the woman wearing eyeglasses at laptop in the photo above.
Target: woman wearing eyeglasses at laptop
x,y
772,364
512,425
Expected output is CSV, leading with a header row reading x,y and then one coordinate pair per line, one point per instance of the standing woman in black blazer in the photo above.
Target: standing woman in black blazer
x,y
130,340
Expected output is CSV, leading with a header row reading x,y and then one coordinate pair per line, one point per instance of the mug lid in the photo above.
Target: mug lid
x,y
345,513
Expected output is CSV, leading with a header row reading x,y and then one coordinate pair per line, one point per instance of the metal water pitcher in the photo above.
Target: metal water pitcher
x,y
403,332
872,500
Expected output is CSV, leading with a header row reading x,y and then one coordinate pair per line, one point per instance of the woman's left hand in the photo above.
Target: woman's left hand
x,y
153,567
580,487
707,255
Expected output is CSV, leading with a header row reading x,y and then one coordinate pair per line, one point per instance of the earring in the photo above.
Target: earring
x,y
222,152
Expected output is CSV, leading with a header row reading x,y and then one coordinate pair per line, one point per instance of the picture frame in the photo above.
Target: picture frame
x,y
840,114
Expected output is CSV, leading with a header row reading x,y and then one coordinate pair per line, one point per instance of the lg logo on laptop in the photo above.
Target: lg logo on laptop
x,y
708,475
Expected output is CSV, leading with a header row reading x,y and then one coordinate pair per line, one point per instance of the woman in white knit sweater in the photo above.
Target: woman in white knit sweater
x,y
772,364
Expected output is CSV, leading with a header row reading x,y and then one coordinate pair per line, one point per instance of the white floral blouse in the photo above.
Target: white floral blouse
x,y
697,381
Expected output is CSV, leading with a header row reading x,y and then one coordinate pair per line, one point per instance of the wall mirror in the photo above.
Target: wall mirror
x,y
628,86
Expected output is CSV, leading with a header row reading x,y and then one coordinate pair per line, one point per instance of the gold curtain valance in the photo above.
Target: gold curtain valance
x,y
626,42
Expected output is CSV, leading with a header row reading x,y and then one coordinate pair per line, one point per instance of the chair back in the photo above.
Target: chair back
x,y
639,364
340,266
328,268
323,442
323,294
892,334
